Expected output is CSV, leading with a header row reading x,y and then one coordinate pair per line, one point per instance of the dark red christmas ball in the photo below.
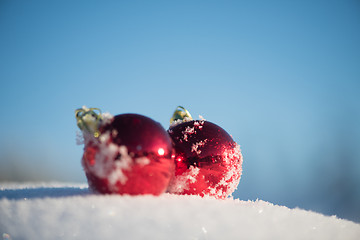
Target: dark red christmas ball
x,y
127,154
208,162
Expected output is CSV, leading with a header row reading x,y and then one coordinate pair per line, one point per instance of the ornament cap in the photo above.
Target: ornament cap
x,y
180,113
89,119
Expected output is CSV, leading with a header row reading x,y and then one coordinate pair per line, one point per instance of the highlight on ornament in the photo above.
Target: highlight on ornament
x,y
208,162
125,154
133,154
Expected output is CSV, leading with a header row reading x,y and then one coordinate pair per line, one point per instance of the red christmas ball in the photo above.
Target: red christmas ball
x,y
126,154
208,162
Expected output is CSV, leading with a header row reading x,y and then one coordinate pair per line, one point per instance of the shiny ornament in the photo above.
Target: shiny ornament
x,y
125,154
208,162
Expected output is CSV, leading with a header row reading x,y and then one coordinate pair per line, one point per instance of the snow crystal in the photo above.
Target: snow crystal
x,y
195,146
102,167
196,124
189,130
178,121
199,124
124,163
106,151
104,138
231,179
105,168
106,118
181,182
72,212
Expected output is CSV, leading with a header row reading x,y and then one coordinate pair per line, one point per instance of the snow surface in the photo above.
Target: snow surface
x,y
70,211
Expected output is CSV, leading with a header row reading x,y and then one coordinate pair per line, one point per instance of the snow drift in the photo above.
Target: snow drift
x,y
70,211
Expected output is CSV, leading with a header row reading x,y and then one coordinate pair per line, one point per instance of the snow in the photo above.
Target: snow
x,y
71,211
178,121
195,146
113,171
181,182
231,179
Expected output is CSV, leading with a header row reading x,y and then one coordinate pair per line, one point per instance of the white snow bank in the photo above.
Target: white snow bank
x,y
70,211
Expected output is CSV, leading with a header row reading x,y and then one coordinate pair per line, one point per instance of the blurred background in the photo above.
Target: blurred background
x,y
282,77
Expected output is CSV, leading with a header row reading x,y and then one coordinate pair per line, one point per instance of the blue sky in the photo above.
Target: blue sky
x,y
282,77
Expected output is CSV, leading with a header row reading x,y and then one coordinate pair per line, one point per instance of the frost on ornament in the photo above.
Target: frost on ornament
x,y
208,161
182,182
125,154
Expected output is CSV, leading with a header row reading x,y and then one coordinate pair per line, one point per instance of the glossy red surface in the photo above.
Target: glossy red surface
x,y
207,160
144,167
140,134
